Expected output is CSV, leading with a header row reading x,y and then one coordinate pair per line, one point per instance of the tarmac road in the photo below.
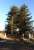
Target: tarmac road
x,y
12,45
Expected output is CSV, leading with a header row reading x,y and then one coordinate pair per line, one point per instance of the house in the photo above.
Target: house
x,y
28,35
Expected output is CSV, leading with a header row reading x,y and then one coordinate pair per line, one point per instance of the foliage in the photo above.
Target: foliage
x,y
19,18
11,20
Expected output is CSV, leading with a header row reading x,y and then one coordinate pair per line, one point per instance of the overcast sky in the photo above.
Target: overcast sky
x,y
5,6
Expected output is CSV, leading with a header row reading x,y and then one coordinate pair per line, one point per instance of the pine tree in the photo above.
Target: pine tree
x,y
25,20
19,19
11,20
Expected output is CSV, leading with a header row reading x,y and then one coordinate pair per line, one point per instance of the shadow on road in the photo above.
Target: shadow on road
x,y
12,45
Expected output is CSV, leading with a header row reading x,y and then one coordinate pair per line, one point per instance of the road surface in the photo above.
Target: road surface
x,y
10,45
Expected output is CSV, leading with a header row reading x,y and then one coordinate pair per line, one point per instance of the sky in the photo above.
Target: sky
x,y
5,6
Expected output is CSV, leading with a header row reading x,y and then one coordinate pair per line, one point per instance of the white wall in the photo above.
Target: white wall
x,y
30,35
